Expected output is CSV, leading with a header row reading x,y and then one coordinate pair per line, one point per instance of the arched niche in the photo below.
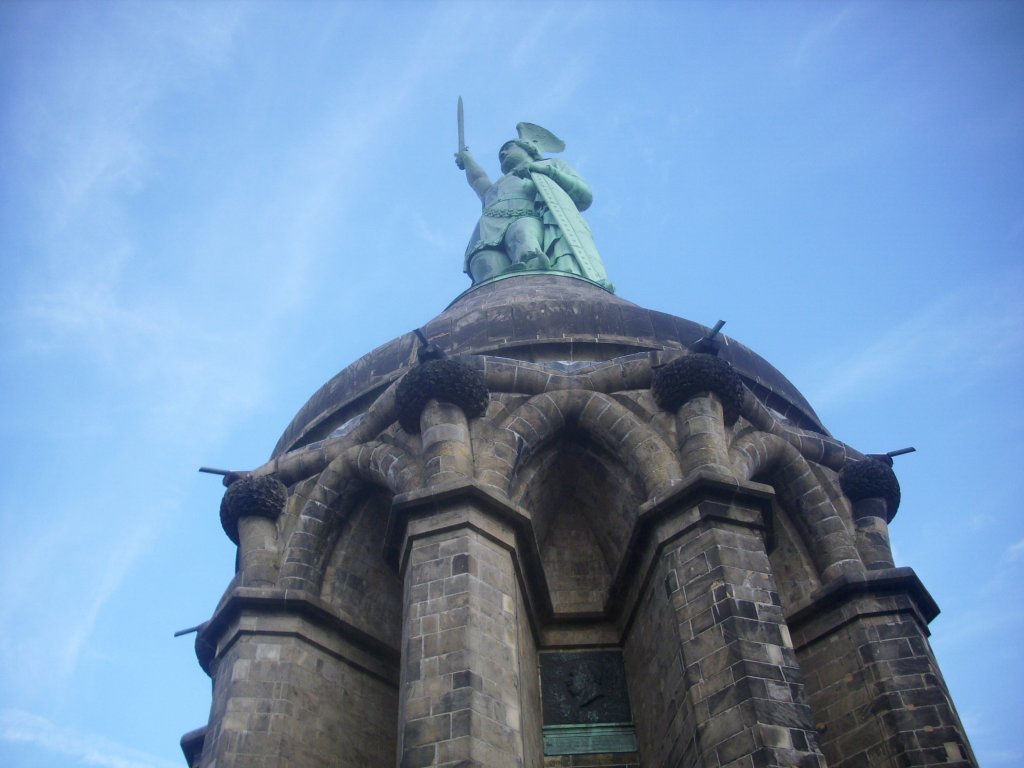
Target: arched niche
x,y
583,503
358,582
792,567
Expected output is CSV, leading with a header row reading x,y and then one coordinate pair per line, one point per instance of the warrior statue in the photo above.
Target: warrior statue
x,y
531,215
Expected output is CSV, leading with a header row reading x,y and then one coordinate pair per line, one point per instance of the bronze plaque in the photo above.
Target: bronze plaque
x,y
584,687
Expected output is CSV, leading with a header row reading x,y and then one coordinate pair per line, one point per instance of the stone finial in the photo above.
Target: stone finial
x,y
251,497
448,380
871,478
677,382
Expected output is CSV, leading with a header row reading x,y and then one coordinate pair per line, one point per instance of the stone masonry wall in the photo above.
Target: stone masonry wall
x,y
713,676
543,468
283,700
462,680
875,688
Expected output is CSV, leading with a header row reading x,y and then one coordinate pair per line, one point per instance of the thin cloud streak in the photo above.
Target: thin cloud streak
x,y
157,354
128,548
157,367
40,658
1015,550
963,337
18,726
819,36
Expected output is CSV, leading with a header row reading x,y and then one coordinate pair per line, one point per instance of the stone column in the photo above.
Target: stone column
x,y
874,492
465,656
713,675
700,427
248,514
706,395
447,450
463,653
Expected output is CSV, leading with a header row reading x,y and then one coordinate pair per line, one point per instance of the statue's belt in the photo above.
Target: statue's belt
x,y
511,213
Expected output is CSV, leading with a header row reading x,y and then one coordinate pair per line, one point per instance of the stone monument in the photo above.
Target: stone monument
x,y
554,528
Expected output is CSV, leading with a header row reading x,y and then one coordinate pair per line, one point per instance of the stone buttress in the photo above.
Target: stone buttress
x,y
571,535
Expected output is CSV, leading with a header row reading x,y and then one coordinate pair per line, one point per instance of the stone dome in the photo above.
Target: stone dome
x,y
543,318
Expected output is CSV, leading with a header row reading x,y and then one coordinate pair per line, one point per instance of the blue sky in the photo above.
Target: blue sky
x,y
208,209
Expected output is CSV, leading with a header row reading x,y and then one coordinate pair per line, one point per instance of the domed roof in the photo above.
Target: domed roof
x,y
539,318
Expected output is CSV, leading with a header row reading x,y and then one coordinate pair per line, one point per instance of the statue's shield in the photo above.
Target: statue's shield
x,y
574,227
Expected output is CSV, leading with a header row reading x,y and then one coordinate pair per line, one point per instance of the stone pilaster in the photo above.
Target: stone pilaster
x,y
712,673
468,657
872,534
874,686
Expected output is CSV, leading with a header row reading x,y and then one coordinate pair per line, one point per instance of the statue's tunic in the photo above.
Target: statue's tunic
x,y
511,198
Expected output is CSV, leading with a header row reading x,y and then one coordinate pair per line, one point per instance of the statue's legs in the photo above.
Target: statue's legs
x,y
486,264
523,240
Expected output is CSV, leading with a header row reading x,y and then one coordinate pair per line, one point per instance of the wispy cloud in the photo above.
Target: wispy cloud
x,y
1015,550
962,336
42,656
161,353
83,748
820,35
118,562
129,351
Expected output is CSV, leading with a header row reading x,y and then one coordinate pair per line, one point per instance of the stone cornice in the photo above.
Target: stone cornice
x,y
849,598
259,602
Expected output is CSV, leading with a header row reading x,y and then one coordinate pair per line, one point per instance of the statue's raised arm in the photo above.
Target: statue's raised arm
x,y
475,174
531,215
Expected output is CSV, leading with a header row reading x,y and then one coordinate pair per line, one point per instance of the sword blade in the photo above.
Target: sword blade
x,y
462,127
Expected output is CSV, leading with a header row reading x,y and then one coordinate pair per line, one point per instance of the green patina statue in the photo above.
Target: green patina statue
x,y
531,216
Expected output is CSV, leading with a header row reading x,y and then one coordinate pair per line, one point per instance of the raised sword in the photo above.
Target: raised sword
x,y
462,128
462,132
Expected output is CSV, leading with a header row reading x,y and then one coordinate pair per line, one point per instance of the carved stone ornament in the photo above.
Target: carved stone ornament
x,y
680,380
251,497
448,380
871,478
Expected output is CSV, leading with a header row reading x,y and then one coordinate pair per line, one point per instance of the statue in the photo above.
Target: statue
x,y
531,215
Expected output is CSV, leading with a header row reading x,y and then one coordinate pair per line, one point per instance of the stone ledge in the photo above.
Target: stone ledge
x,y
828,603
289,603
709,484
